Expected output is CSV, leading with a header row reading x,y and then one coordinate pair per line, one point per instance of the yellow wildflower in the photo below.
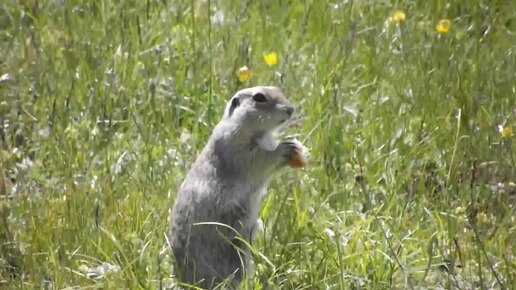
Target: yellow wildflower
x,y
505,132
397,17
443,26
271,58
243,74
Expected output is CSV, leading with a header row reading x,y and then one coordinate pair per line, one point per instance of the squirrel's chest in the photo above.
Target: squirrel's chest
x,y
249,196
248,189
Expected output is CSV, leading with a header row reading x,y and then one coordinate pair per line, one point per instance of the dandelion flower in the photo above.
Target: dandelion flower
x,y
443,26
397,17
271,58
243,74
505,132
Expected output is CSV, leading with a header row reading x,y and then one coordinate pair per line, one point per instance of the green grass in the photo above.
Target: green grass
x,y
105,104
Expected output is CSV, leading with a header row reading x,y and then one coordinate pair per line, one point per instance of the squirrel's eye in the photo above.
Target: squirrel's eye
x,y
259,97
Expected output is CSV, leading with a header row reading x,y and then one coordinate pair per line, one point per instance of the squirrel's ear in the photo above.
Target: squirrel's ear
x,y
235,102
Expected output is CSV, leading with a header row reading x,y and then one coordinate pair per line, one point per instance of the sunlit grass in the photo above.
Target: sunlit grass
x,y
408,109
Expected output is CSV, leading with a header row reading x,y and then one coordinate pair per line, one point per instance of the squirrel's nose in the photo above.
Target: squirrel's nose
x,y
290,110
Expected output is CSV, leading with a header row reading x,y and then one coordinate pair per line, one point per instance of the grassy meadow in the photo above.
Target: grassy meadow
x,y
408,108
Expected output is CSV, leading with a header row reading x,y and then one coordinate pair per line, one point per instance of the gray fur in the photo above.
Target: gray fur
x,y
225,185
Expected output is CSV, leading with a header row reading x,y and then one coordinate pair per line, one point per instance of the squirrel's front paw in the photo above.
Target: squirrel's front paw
x,y
295,154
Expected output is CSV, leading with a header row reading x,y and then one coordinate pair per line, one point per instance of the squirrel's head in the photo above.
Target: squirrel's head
x,y
259,109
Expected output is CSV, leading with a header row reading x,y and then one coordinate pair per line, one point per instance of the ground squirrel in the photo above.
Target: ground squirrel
x,y
217,206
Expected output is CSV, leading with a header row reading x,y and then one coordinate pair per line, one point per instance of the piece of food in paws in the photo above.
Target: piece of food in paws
x,y
300,158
